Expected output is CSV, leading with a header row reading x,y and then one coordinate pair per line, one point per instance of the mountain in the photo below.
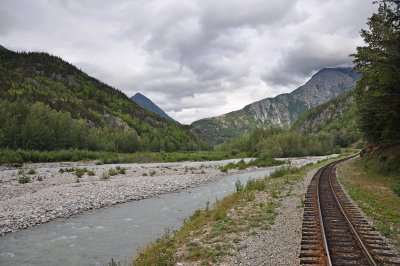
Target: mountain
x,y
336,117
3,48
281,110
148,104
47,103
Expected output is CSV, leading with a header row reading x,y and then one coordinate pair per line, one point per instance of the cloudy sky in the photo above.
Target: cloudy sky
x,y
194,58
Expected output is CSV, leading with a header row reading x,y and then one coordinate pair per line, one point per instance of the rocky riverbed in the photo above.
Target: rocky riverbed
x,y
52,193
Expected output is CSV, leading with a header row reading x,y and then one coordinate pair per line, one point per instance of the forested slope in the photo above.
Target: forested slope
x,y
336,117
47,103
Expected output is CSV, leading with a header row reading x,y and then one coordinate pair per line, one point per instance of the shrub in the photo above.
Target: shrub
x,y
31,172
24,179
79,172
227,167
255,185
396,189
241,165
113,172
90,173
67,170
105,176
284,171
121,170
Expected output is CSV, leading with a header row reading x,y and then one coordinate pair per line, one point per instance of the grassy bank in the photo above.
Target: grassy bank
x,y
29,156
259,162
213,233
375,193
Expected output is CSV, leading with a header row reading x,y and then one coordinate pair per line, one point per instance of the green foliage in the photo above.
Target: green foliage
x,y
121,170
105,176
24,179
159,253
396,189
263,161
378,90
337,117
48,104
90,173
31,172
101,157
112,172
67,170
278,142
256,185
79,172
152,173
284,171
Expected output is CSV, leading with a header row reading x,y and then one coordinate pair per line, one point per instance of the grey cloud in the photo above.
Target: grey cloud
x,y
196,57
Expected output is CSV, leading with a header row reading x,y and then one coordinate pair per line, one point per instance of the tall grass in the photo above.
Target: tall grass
x,y
259,162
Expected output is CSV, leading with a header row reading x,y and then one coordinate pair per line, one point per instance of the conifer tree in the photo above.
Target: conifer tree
x,y
378,90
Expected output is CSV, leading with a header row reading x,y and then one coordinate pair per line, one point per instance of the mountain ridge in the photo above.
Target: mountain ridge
x,y
281,110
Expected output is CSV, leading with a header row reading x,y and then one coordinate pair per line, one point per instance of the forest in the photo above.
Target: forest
x,y
48,104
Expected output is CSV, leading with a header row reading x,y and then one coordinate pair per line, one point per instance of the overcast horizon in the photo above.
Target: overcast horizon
x,y
194,59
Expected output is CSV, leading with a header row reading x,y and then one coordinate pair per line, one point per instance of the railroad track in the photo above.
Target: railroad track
x,y
334,232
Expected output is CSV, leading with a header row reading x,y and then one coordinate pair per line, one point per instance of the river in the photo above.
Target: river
x,y
118,232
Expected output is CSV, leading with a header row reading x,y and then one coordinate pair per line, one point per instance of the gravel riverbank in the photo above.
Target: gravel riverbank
x,y
51,194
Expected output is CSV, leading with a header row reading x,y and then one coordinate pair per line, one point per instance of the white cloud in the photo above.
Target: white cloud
x,y
195,58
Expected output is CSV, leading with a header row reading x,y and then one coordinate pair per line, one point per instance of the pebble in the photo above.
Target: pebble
x,y
58,195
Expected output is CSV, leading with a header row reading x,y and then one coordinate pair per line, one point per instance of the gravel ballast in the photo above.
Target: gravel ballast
x,y
280,245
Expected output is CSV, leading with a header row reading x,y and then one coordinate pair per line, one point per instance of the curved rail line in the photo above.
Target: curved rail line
x,y
334,232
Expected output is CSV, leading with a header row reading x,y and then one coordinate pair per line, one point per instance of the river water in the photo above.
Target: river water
x,y
118,232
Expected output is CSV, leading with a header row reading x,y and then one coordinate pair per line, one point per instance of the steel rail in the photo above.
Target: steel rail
x,y
364,249
322,228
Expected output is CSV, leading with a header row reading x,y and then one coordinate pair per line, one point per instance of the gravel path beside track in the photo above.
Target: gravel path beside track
x,y
280,245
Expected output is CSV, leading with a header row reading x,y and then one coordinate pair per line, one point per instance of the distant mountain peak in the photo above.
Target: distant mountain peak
x,y
148,104
281,110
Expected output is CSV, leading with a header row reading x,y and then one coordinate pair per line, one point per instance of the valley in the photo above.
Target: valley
x,y
94,172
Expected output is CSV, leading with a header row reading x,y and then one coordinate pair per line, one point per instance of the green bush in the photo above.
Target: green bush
x,y
396,189
113,172
284,171
105,176
253,184
90,173
121,170
31,172
24,179
79,172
